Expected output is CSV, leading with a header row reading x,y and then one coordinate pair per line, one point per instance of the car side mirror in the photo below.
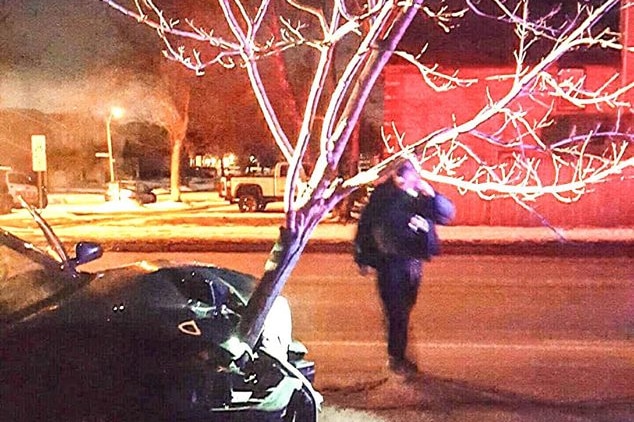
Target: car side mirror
x,y
86,252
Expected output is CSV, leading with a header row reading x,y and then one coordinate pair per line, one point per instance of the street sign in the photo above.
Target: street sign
x,y
103,155
38,152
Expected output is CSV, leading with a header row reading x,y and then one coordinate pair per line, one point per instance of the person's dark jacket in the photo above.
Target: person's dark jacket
x,y
384,228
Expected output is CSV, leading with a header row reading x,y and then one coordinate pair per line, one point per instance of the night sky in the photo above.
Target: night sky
x,y
48,44
64,36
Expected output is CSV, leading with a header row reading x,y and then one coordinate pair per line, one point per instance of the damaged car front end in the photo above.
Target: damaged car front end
x,y
146,341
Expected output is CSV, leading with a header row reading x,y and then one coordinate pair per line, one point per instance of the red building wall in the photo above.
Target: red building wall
x,y
417,110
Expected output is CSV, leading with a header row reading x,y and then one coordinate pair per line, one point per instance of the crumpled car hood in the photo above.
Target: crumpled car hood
x,y
158,298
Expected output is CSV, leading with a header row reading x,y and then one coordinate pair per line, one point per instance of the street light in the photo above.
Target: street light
x,y
116,113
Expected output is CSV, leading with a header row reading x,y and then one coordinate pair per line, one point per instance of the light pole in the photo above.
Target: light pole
x,y
115,112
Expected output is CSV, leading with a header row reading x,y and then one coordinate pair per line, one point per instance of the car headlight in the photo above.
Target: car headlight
x,y
278,329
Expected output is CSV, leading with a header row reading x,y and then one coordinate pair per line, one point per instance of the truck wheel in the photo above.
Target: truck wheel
x,y
248,203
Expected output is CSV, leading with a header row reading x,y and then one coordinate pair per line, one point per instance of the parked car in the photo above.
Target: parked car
x,y
6,200
150,341
22,184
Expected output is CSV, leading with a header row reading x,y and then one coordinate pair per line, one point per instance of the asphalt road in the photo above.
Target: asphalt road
x,y
496,338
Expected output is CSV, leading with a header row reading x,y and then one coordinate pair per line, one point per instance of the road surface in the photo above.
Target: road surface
x,y
538,338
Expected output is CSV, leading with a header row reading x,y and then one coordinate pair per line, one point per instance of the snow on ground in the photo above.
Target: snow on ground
x,y
335,414
205,216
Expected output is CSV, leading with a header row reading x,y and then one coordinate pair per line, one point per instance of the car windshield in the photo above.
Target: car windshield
x,y
20,179
24,281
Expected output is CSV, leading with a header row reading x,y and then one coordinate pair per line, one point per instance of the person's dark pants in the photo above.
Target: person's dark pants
x,y
398,280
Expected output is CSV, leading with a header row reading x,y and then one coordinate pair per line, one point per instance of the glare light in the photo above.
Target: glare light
x,y
117,112
229,159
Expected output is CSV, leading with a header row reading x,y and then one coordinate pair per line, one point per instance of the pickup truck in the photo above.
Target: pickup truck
x,y
254,192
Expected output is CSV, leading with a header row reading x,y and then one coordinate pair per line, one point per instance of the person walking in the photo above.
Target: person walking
x,y
395,234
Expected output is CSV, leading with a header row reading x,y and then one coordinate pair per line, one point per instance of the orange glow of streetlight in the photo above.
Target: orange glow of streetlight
x,y
117,112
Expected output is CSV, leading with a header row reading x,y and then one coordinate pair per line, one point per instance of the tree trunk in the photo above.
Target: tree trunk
x,y
175,167
177,129
277,270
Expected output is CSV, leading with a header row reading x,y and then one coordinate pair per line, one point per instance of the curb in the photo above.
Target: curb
x,y
553,248
519,248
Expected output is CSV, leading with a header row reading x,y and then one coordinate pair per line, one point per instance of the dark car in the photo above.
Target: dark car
x,y
147,341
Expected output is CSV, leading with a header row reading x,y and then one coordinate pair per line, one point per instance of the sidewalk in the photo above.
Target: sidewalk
x,y
203,222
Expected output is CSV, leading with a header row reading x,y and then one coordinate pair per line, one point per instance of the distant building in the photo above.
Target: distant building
x,y
418,110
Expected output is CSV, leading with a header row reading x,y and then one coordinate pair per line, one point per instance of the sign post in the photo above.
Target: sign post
x,y
38,156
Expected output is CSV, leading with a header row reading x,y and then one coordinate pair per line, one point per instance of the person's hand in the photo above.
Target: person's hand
x,y
364,270
418,224
425,188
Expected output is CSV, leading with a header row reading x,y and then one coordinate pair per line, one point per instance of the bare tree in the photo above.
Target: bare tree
x,y
174,116
161,98
374,29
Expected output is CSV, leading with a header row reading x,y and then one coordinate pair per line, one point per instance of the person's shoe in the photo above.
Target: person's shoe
x,y
402,366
